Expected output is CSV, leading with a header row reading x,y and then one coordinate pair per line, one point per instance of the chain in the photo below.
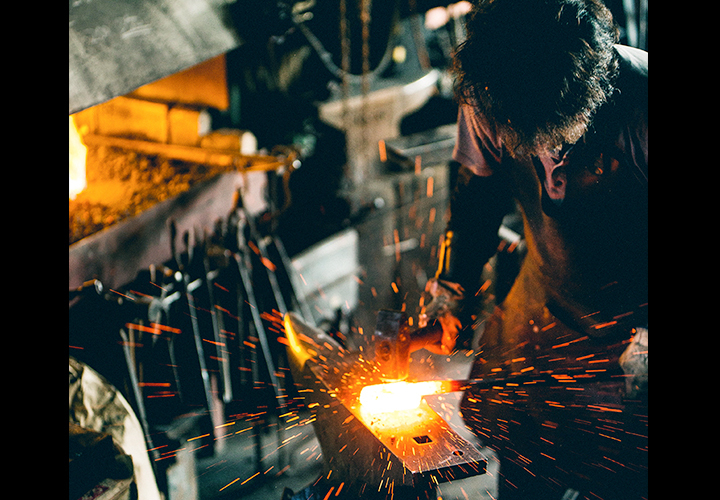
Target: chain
x,y
365,6
345,61
326,57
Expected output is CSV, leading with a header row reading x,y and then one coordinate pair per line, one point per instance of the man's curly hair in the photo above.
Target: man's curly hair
x,y
537,69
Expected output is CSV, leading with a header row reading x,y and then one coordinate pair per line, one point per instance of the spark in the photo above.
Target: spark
x,y
604,408
122,294
231,482
291,437
382,150
163,394
142,328
221,344
131,344
222,309
158,286
165,328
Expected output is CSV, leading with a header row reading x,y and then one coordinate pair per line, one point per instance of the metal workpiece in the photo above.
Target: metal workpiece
x,y
400,454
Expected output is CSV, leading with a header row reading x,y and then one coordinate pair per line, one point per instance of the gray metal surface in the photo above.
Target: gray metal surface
x,y
116,46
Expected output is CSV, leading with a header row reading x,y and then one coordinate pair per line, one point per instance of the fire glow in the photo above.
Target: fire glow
x,y
77,151
397,396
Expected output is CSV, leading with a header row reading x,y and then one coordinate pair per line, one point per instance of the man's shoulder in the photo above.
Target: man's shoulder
x,y
636,60
632,82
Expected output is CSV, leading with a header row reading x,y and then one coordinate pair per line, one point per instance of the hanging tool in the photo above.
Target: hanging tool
x,y
187,287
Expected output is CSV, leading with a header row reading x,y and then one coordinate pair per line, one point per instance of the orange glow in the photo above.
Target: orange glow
x,y
298,351
383,151
397,396
78,152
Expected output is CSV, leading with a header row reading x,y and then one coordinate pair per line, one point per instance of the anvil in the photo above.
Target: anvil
x,y
399,454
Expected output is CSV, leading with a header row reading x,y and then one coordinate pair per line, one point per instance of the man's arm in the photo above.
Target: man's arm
x,y
477,208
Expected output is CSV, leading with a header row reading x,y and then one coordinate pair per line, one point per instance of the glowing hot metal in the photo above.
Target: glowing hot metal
x,y
397,396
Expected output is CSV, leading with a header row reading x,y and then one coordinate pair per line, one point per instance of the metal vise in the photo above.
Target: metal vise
x,y
401,454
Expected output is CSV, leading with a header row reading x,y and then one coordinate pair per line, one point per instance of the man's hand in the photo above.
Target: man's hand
x,y
634,362
445,302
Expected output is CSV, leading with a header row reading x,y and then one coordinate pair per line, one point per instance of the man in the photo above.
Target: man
x,y
553,122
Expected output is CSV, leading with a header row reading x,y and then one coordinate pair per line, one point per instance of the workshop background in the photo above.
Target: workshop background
x,y
230,162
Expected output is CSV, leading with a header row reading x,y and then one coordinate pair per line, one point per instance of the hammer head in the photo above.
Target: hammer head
x,y
391,345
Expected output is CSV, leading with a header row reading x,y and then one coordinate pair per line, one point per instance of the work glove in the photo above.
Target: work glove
x,y
444,305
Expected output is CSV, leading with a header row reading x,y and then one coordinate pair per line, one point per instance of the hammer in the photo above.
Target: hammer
x,y
393,341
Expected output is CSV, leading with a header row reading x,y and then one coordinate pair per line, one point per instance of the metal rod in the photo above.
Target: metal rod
x,y
300,303
205,156
222,356
243,262
137,394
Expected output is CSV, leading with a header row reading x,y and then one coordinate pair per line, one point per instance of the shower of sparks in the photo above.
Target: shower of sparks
x,y
287,431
